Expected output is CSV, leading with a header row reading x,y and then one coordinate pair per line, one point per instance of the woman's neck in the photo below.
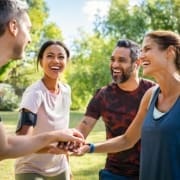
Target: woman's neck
x,y
51,85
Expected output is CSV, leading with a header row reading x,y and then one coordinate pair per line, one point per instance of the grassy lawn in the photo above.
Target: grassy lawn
x,y
83,168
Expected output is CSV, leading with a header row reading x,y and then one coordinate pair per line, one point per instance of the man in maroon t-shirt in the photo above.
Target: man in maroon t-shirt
x,y
117,104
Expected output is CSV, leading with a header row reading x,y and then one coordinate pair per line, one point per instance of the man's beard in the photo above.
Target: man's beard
x,y
123,77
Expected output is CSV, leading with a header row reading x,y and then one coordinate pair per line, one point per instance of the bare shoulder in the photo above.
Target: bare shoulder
x,y
147,96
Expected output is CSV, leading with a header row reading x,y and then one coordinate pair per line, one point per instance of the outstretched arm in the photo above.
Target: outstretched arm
x,y
15,146
85,126
127,140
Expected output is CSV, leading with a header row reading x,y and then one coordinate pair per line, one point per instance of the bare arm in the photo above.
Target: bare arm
x,y
28,130
131,136
15,146
86,125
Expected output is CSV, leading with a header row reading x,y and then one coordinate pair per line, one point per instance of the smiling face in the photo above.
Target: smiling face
x,y
121,65
153,59
54,61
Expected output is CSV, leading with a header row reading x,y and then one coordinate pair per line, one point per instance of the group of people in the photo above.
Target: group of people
x,y
140,116
156,122
15,28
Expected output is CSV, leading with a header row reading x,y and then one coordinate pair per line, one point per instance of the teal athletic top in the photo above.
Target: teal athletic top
x,y
160,144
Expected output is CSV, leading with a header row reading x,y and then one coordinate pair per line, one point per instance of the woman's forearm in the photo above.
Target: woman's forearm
x,y
113,145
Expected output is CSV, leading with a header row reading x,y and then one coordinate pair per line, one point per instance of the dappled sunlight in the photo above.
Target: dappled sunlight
x,y
6,169
84,168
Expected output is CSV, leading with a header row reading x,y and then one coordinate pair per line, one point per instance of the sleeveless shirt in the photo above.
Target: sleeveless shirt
x,y
160,144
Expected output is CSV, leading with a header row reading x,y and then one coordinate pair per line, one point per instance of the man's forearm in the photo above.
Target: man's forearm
x,y
15,146
22,145
86,125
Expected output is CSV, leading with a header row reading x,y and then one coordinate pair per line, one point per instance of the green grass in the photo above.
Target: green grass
x,y
83,168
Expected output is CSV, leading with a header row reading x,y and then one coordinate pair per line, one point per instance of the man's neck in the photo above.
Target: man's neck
x,y
131,84
4,52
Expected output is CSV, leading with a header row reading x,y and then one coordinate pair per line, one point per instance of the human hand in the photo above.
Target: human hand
x,y
82,150
53,149
68,147
68,140
71,135
57,150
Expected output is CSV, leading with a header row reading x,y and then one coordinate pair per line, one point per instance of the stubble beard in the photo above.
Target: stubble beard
x,y
118,79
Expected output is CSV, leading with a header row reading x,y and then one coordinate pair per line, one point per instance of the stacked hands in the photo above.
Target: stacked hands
x,y
75,145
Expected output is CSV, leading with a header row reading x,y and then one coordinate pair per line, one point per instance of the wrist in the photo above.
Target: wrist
x,y
91,147
52,137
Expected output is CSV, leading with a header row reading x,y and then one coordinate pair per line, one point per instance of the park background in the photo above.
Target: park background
x,y
88,68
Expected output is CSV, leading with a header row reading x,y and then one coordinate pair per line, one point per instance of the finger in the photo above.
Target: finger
x,y
77,133
61,145
77,139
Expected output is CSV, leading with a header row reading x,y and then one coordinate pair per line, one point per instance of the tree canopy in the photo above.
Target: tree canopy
x,y
21,73
89,67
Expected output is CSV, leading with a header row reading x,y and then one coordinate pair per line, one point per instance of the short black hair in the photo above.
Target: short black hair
x,y
133,46
10,9
49,43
